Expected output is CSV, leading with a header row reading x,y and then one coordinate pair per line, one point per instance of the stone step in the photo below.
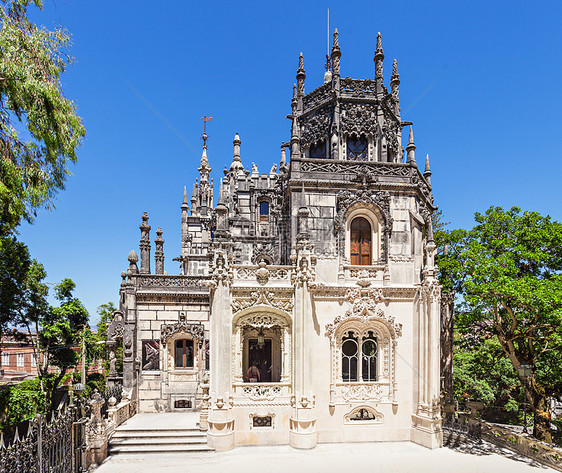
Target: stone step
x,y
158,441
159,449
157,433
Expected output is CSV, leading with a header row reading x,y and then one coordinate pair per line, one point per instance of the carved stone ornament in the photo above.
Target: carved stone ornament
x,y
364,414
262,296
169,330
315,127
263,320
116,329
359,119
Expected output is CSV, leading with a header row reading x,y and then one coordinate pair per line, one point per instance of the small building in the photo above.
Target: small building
x,y
308,293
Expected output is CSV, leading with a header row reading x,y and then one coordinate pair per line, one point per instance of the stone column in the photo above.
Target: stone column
x,y
145,245
159,252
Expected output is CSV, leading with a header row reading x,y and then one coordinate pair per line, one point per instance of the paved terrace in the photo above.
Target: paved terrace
x,y
391,457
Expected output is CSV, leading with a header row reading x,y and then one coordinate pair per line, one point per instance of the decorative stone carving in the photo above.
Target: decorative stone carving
x,y
315,127
362,392
117,327
364,414
262,392
262,296
359,119
197,330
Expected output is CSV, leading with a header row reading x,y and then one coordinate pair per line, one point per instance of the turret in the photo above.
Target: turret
x,y
379,56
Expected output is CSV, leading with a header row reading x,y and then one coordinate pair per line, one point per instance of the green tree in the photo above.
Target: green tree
x,y
507,271
34,162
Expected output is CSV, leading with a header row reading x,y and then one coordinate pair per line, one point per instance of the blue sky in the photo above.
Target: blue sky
x,y
480,80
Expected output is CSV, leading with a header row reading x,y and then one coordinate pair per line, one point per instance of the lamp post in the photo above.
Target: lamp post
x,y
525,372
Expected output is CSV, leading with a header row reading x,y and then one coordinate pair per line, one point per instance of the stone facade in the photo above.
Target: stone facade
x,y
320,273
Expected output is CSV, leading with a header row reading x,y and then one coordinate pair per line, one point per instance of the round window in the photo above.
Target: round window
x,y
349,348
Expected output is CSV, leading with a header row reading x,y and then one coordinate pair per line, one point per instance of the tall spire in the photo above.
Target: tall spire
x,y
336,54
394,85
379,56
411,148
427,172
301,76
184,202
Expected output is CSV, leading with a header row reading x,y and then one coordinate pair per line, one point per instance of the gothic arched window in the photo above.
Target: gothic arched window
x,y
369,357
353,347
318,150
357,148
349,355
360,243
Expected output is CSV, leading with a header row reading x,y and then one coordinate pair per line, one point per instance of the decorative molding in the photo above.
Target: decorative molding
x,y
197,330
261,392
166,281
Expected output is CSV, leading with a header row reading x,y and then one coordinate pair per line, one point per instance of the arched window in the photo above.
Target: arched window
x,y
357,148
264,211
360,242
369,357
352,347
318,150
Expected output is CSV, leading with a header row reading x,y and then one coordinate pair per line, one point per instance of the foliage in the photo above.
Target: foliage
x,y
105,312
15,264
33,163
21,402
507,271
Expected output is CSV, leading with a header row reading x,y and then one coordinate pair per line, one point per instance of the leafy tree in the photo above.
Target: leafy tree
x,y
15,264
507,270
33,163
105,312
59,329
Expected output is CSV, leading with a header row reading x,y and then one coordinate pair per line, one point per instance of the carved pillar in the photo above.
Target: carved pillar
x,y
159,252
145,245
303,433
221,421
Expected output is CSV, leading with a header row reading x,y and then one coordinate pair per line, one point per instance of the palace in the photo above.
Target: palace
x,y
307,307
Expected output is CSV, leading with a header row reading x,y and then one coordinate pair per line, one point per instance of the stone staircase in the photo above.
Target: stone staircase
x,y
158,440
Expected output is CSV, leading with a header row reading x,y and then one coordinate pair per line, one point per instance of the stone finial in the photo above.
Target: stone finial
x,y
145,245
395,76
427,172
283,161
273,170
301,76
411,148
300,70
255,172
236,161
184,205
133,258
335,56
159,252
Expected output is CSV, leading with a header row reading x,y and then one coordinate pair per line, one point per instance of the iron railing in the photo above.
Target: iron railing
x,y
52,443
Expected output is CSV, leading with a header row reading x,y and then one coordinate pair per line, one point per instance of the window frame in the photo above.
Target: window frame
x,y
359,338
351,154
184,355
20,360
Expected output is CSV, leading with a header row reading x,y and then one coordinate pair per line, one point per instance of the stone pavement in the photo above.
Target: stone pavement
x,y
395,457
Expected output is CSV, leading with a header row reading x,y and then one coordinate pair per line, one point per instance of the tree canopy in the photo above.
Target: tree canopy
x,y
508,272
33,162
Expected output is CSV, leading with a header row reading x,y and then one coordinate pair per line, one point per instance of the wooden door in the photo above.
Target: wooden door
x,y
360,249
